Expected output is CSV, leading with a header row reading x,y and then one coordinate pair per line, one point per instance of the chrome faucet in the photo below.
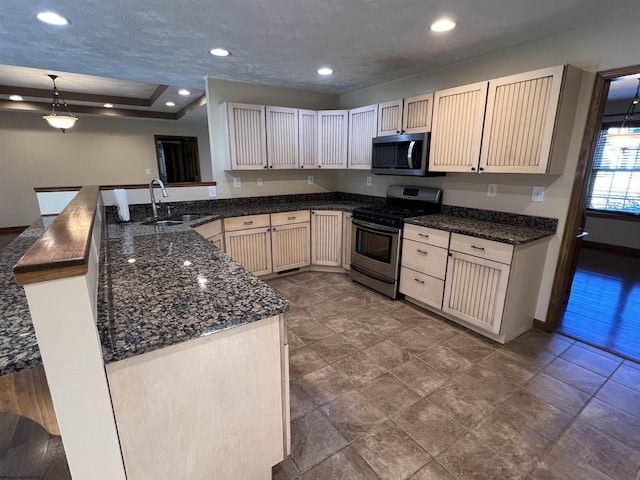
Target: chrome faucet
x,y
154,207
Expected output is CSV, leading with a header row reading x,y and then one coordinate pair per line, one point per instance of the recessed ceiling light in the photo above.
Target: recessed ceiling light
x,y
108,105
170,104
325,71
184,91
220,52
443,25
15,98
52,18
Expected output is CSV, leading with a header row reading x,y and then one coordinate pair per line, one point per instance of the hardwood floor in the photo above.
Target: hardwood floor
x,y
604,306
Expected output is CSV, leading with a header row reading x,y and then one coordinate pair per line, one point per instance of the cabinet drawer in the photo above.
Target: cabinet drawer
x,y
232,224
424,258
286,218
439,238
210,229
479,247
422,287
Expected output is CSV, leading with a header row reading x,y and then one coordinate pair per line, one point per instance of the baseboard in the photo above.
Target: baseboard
x,y
4,230
540,325
611,248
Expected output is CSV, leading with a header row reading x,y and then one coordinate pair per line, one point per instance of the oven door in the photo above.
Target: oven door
x,y
375,248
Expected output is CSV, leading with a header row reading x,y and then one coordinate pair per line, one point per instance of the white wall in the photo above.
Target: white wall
x,y
97,151
274,182
607,45
612,231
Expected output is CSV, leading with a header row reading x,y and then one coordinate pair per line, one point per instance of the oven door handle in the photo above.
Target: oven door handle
x,y
374,228
372,274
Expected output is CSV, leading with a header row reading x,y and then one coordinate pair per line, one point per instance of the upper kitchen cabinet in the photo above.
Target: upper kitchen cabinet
x,y
411,115
308,138
282,137
332,138
363,126
244,128
456,133
528,121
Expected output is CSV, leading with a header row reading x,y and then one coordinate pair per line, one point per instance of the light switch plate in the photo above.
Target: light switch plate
x,y
368,180
538,194
310,180
237,183
259,181
492,188
212,191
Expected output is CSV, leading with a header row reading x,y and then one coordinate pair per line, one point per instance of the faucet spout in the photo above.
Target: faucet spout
x,y
160,183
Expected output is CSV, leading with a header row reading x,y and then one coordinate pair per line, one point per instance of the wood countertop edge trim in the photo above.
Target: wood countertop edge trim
x,y
62,251
131,186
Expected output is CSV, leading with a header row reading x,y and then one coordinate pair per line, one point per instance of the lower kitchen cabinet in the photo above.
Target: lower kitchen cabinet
x,y
290,240
248,242
212,231
326,237
346,240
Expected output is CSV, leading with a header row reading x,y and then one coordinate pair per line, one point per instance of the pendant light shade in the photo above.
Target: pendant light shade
x,y
64,121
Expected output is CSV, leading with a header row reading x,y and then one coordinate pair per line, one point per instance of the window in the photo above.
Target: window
x,y
178,159
615,178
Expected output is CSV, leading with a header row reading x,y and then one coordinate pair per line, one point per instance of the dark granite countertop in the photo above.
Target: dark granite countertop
x,y
498,232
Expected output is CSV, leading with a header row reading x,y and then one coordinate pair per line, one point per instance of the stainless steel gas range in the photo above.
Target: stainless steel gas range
x,y
377,235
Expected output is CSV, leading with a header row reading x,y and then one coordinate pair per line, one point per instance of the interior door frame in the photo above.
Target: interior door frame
x,y
577,202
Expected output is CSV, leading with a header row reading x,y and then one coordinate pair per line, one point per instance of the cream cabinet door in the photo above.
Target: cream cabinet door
x,y
346,239
417,113
244,127
326,237
291,246
456,130
217,241
308,139
520,121
282,137
363,126
332,138
251,248
390,118
475,290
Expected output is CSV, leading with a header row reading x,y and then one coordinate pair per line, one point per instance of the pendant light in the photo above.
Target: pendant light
x,y
55,119
625,137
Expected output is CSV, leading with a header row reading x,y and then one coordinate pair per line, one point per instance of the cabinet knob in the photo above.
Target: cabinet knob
x,y
421,252
419,281
301,166
319,166
450,254
473,169
397,131
265,166
480,169
270,166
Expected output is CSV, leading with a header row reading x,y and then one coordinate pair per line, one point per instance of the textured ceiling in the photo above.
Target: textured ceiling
x,y
280,42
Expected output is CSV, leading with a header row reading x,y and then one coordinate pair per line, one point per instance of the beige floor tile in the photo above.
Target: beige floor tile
x,y
438,331
299,402
304,360
470,347
313,439
361,336
413,341
347,464
382,324
590,360
430,426
297,317
486,384
433,471
389,394
620,396
352,414
561,464
613,421
536,341
445,360
574,375
387,354
294,341
359,369
419,376
390,452
312,332
557,393
324,385
534,358
464,406
339,322
285,470
628,376
332,349
507,367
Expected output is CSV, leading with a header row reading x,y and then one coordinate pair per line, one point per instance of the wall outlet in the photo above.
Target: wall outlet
x,y
148,171
212,191
538,194
259,181
237,183
492,188
368,180
310,180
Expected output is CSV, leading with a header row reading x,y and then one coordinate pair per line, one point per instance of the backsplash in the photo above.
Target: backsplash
x,y
542,223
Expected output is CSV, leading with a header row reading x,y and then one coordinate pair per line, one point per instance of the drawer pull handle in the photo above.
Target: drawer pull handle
x,y
248,223
423,235
419,281
291,218
421,252
477,248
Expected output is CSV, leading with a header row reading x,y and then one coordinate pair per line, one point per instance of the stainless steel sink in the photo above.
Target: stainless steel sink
x,y
163,223
187,217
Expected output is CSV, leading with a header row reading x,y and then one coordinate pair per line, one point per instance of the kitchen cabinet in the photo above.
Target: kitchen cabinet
x,y
456,130
244,130
212,231
290,240
424,264
248,242
307,139
332,138
326,237
347,232
409,115
282,137
363,123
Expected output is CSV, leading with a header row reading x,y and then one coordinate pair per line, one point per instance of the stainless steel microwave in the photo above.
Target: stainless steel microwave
x,y
406,154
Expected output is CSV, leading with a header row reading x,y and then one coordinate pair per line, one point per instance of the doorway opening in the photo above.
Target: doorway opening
x,y
599,302
178,160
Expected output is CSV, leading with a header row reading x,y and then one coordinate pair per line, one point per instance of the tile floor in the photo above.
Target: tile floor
x,y
381,389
